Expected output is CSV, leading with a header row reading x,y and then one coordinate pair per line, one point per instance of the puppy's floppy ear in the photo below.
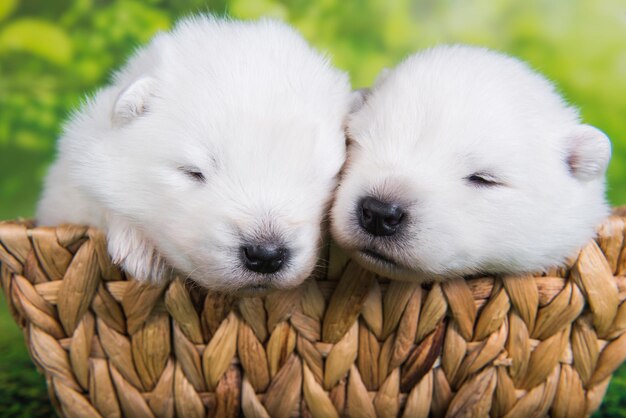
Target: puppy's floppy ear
x,y
381,77
357,99
589,152
133,101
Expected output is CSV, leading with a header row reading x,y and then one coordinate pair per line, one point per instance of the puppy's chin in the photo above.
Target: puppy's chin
x,y
390,269
253,291
257,285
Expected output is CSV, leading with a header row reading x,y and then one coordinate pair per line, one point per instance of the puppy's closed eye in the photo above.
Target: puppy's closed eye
x,y
193,173
483,179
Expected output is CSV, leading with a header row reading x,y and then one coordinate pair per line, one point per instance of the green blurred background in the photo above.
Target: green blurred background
x,y
53,52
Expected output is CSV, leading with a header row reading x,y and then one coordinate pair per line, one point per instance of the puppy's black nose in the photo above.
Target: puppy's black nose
x,y
380,218
264,258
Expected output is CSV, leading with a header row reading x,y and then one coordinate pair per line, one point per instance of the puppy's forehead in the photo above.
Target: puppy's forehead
x,y
434,125
464,98
265,67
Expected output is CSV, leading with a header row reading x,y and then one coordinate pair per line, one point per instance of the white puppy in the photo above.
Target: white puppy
x,y
464,160
215,152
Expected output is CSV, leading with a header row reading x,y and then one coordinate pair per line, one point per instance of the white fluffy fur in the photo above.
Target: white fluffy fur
x,y
441,116
250,105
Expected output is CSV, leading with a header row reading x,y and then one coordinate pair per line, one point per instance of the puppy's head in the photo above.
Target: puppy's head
x,y
462,161
220,152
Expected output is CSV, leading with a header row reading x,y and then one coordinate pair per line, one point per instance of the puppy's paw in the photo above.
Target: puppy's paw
x,y
134,253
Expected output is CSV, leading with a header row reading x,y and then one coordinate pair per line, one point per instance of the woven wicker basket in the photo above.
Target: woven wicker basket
x,y
347,343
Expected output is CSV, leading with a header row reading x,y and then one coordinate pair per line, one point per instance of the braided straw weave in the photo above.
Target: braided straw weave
x,y
345,344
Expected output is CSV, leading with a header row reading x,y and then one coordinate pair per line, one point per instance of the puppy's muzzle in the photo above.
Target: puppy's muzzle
x,y
264,258
378,218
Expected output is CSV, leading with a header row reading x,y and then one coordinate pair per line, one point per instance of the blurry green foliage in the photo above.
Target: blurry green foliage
x,y
54,52
24,35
